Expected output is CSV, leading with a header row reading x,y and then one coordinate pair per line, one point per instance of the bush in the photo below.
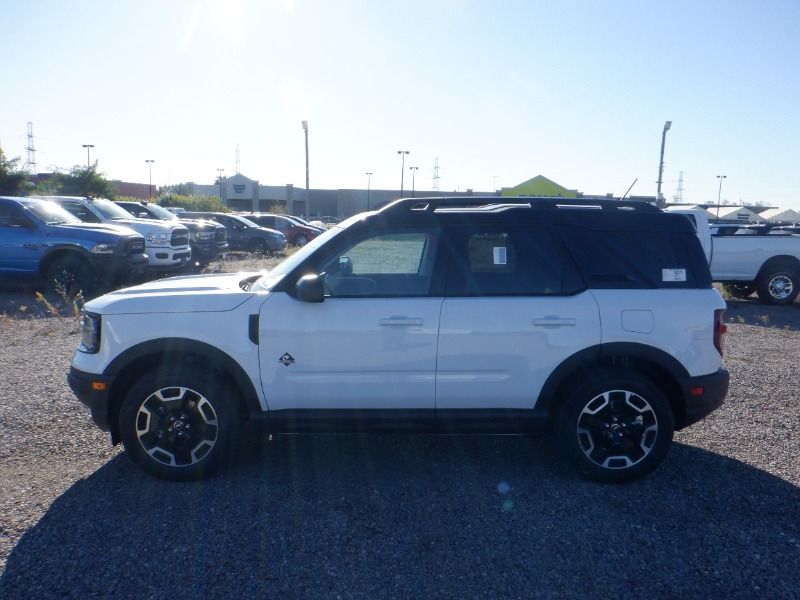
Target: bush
x,y
193,203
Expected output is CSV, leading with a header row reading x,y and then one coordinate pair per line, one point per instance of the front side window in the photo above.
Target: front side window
x,y
384,265
80,211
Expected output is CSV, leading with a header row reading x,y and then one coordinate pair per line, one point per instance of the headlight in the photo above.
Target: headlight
x,y
205,235
90,333
104,248
156,237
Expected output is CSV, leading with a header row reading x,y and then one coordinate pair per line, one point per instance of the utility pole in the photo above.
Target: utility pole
x,y
659,199
369,180
402,154
150,185
88,147
219,178
305,130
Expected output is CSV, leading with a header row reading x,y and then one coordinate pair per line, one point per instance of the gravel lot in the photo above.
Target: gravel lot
x,y
401,516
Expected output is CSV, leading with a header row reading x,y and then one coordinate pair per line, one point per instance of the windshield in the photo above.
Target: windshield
x,y
51,213
109,209
161,213
292,262
247,222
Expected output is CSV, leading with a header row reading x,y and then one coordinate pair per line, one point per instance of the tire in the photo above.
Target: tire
x,y
300,241
258,246
615,427
778,285
738,290
72,273
178,423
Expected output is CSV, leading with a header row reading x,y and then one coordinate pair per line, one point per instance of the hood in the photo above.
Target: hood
x,y
193,293
148,225
81,228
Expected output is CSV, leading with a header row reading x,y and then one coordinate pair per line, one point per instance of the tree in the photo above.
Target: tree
x,y
13,180
84,181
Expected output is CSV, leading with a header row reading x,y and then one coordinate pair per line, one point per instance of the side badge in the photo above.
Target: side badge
x,y
286,359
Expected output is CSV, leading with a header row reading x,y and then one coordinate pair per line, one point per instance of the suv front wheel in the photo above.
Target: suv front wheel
x,y
615,426
178,423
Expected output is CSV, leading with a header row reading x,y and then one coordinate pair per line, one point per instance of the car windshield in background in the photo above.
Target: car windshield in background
x,y
244,221
161,213
51,213
110,210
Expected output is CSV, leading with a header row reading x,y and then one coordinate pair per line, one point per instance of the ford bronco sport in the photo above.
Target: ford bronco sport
x,y
595,320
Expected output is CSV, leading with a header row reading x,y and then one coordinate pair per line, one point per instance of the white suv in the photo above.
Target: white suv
x,y
595,320
167,245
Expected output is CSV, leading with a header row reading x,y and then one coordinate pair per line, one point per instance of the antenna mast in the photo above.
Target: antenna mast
x,y
30,164
435,183
678,197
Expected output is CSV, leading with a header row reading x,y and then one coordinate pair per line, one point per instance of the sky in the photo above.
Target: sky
x,y
499,91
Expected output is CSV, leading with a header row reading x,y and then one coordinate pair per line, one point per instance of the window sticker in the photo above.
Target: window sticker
x,y
673,275
499,254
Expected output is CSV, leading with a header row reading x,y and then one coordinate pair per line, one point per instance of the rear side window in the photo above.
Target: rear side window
x,y
509,261
634,259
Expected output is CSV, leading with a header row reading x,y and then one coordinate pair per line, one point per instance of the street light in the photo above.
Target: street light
x,y
150,185
219,178
719,192
305,130
369,179
402,154
88,146
659,199
413,180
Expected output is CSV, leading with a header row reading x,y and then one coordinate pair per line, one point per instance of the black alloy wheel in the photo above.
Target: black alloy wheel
x,y
615,427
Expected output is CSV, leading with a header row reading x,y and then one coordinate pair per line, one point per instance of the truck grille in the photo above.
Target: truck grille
x,y
180,237
222,234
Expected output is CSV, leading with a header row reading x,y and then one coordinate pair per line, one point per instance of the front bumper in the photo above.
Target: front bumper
x,y
168,259
698,405
114,269
93,391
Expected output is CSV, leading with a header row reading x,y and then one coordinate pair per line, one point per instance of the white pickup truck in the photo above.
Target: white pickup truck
x,y
747,261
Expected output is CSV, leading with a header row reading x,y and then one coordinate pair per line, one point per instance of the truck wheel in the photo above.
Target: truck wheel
x,y
779,285
178,423
615,426
738,290
72,273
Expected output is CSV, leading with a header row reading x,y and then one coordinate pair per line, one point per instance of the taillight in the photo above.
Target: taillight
x,y
720,329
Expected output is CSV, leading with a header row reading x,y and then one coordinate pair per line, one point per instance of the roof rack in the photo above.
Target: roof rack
x,y
492,204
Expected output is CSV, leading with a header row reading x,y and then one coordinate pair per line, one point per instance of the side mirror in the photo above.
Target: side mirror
x,y
309,288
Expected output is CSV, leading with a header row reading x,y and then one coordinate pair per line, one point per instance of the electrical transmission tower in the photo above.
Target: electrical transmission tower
x,y
435,183
30,164
678,197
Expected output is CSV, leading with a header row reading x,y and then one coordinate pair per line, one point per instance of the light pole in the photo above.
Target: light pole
x,y
150,184
719,192
659,200
305,130
88,146
413,180
219,178
402,154
369,180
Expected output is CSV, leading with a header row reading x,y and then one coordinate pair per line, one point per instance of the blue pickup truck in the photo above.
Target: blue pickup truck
x,y
39,239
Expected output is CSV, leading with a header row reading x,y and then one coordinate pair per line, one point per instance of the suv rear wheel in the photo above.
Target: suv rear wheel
x,y
178,423
615,426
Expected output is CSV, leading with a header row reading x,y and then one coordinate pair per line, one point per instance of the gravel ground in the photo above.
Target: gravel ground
x,y
402,516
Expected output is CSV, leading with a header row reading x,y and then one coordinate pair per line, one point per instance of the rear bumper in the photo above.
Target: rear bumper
x,y
698,405
84,386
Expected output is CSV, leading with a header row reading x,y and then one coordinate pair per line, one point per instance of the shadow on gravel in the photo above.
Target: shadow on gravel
x,y
750,311
415,517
